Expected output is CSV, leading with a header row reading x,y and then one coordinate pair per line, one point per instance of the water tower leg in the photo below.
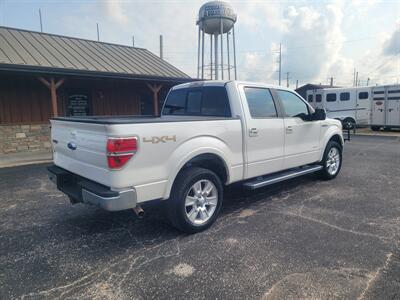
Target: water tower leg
x,y
211,56
234,52
229,62
198,55
202,55
222,50
216,56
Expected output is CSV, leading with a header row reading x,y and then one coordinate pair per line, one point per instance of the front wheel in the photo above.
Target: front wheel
x,y
332,161
196,199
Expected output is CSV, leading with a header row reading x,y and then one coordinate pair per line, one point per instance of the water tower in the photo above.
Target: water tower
x,y
216,19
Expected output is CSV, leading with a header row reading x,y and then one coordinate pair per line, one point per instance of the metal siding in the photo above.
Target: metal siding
x,y
22,47
10,52
19,48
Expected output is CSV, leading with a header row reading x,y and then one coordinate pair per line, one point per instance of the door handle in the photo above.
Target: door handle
x,y
289,129
253,132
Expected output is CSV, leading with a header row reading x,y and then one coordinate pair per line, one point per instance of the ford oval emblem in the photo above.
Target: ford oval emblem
x,y
71,146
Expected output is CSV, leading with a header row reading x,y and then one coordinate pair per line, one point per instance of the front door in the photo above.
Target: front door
x,y
393,106
264,132
301,137
363,111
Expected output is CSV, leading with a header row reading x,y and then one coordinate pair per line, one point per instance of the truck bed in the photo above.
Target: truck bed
x,y
109,120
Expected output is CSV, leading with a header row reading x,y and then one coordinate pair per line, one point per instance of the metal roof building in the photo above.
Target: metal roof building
x,y
29,50
44,75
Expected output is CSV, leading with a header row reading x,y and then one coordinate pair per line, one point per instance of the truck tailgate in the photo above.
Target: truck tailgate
x,y
81,148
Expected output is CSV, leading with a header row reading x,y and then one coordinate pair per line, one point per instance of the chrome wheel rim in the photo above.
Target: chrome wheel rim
x,y
333,161
201,202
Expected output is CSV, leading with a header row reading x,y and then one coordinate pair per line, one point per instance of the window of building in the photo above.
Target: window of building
x,y
363,95
260,102
293,105
318,98
310,98
331,97
344,96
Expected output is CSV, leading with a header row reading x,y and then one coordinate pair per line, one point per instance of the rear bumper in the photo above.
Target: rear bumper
x,y
81,189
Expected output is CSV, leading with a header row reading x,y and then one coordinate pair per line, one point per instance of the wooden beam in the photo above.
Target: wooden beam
x,y
155,88
53,86
44,81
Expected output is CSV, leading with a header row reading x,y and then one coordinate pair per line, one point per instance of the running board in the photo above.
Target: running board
x,y
281,176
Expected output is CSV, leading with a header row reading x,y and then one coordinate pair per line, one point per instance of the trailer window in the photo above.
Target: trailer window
x,y
310,98
344,96
331,97
318,98
260,102
378,92
363,95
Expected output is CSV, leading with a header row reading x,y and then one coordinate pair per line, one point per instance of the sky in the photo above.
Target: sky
x,y
320,39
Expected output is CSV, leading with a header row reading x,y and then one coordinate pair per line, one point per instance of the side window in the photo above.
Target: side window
x,y
215,102
363,95
260,102
194,102
207,101
175,103
310,98
344,96
331,97
293,105
318,98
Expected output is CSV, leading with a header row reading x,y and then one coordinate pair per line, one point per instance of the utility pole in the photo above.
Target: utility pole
x,y
280,63
368,79
356,79
98,33
287,79
331,81
297,84
40,19
161,46
133,41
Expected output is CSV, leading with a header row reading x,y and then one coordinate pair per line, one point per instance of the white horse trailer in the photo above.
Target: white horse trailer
x,y
385,107
351,105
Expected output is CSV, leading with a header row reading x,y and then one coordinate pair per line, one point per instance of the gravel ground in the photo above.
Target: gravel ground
x,y
301,239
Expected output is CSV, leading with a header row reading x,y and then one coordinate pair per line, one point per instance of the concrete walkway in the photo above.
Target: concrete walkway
x,y
24,158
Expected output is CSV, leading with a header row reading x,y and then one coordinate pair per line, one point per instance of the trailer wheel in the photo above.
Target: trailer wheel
x,y
331,161
349,123
195,200
375,128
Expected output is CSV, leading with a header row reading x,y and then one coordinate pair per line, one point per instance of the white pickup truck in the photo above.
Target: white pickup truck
x,y
210,134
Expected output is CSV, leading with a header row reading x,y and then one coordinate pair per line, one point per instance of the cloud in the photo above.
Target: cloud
x,y
312,41
392,45
115,11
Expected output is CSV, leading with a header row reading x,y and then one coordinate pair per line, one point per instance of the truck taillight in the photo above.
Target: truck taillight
x,y
120,151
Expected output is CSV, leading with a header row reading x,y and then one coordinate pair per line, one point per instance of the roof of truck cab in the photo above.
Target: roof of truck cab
x,y
224,82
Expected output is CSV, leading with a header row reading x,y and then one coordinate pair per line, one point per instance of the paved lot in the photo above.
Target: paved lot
x,y
302,239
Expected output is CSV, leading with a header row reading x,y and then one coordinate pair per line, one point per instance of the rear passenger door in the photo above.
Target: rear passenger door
x,y
264,132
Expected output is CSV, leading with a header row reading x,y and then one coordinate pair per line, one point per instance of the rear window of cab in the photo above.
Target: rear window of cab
x,y
211,101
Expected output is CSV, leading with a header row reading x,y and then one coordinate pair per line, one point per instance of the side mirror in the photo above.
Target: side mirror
x,y
319,114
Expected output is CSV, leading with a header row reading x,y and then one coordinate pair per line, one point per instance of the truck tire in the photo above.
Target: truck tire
x,y
195,200
331,161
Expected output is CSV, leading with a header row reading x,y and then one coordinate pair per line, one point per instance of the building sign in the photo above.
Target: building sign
x,y
78,104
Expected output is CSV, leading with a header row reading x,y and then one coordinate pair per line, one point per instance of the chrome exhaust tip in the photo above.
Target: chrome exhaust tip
x,y
139,212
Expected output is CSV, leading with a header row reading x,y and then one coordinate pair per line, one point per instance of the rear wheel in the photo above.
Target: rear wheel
x,y
375,128
196,199
349,123
332,161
